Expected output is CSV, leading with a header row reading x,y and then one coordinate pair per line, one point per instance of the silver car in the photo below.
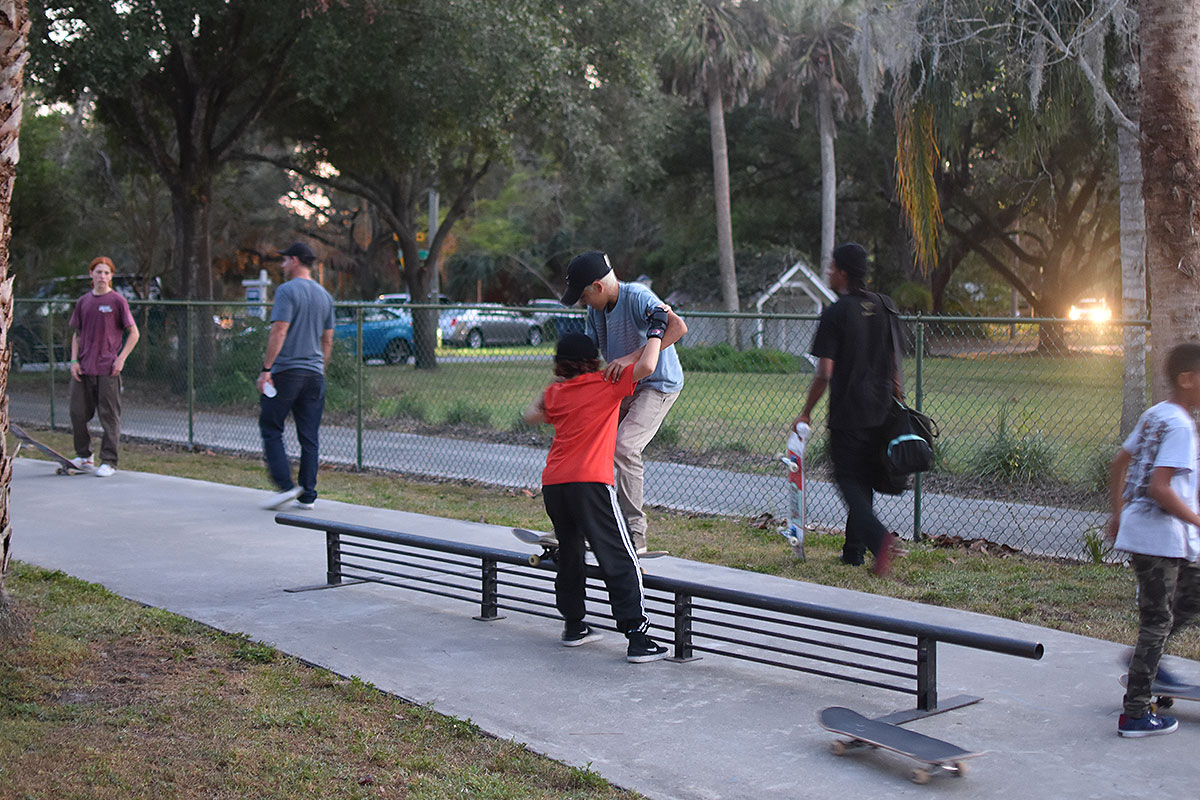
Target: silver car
x,y
491,324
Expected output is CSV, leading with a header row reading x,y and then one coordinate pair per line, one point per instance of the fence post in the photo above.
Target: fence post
x,y
919,392
926,673
489,604
191,375
333,558
683,628
358,321
50,356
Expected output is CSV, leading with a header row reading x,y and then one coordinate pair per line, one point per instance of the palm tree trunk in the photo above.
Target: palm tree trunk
x,y
14,39
1170,127
1133,277
720,156
827,132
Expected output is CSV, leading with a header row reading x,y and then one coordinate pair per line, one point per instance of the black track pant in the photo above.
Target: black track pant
x,y
855,452
589,511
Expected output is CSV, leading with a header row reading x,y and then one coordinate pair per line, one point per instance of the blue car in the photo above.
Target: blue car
x,y
387,333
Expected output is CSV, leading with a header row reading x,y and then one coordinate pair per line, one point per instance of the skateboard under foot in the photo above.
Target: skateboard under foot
x,y
1165,694
936,755
549,546
65,465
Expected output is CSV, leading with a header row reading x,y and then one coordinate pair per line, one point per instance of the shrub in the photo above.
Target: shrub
x,y
1014,457
464,413
723,358
404,405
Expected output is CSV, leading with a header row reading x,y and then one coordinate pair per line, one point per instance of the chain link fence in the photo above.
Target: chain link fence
x,y
1029,411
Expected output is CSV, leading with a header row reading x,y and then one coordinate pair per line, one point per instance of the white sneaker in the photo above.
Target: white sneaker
x,y
83,463
304,505
280,499
104,470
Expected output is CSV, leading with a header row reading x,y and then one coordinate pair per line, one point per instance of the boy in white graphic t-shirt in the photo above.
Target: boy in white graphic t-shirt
x,y
1154,491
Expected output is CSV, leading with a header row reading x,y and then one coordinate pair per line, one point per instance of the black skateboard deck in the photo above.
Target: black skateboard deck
x,y
1167,693
549,546
937,754
65,466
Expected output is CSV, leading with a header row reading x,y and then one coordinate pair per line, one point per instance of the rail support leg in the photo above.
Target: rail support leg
x,y
489,604
683,629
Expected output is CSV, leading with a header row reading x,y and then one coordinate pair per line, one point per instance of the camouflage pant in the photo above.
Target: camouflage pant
x,y
1168,599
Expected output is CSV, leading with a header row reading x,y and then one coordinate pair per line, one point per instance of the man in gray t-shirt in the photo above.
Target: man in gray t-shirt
x,y
292,380
620,318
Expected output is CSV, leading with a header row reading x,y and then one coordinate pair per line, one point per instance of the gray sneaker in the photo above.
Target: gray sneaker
x,y
280,499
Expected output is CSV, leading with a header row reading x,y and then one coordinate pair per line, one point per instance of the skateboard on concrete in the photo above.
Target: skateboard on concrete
x,y
797,501
65,465
936,755
1167,693
549,546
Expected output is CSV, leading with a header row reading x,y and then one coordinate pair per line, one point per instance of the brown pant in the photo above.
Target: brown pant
x,y
91,394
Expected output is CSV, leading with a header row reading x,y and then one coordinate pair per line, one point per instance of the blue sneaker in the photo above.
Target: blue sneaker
x,y
1149,725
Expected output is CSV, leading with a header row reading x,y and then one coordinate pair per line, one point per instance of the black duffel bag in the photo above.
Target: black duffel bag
x,y
906,447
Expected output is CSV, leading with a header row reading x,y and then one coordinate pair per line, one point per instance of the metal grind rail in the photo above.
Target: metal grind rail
x,y
868,649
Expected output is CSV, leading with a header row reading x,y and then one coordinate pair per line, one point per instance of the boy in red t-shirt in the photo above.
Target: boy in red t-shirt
x,y
577,486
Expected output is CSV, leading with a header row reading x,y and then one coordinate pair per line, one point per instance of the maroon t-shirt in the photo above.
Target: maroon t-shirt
x,y
101,321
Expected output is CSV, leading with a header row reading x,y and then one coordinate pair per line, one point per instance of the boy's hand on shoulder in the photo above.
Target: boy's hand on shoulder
x,y
614,369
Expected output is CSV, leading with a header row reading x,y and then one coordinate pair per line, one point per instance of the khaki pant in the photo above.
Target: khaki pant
x,y
92,394
641,416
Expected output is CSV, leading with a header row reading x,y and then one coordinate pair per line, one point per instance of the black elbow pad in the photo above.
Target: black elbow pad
x,y
658,323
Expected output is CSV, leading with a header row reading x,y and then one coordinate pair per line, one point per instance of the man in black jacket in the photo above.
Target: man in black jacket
x,y
857,363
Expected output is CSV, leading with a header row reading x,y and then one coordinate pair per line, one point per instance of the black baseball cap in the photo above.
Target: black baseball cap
x,y
582,271
301,251
576,347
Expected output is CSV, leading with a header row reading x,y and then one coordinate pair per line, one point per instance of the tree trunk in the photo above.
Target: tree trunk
x,y
1133,277
720,157
1170,127
193,259
14,39
827,132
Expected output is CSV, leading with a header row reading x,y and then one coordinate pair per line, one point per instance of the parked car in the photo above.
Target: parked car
x,y
387,333
28,332
492,324
544,309
1091,309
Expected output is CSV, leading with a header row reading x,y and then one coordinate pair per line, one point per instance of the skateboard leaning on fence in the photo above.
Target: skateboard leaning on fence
x,y
797,502
65,465
1165,694
936,755
549,546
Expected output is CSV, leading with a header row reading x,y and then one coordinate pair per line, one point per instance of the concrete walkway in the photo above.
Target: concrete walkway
x,y
714,728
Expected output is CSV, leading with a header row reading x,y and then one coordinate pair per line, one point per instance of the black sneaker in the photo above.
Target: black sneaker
x,y
642,649
577,633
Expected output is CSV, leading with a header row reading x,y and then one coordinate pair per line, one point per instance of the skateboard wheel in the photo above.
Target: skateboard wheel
x,y
838,747
920,776
960,769
535,560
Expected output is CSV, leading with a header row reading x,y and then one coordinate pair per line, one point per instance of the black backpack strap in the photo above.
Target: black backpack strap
x,y
895,334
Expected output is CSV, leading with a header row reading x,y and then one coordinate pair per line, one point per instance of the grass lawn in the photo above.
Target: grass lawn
x,y
110,699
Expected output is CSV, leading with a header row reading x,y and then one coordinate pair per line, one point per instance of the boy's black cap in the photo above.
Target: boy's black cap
x,y
301,251
576,347
582,271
